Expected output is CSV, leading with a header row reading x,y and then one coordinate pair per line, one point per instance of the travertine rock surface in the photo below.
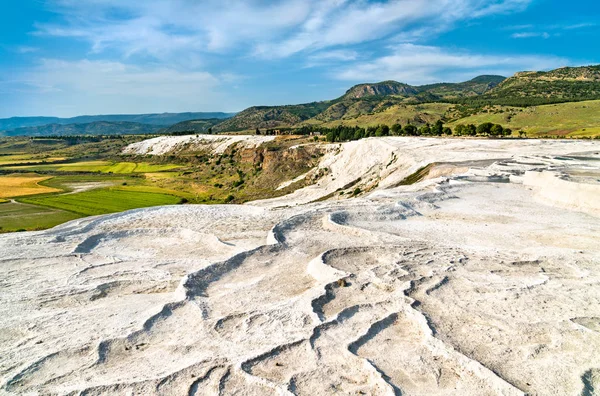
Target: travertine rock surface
x,y
483,279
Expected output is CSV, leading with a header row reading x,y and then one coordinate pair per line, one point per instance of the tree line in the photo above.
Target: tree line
x,y
344,133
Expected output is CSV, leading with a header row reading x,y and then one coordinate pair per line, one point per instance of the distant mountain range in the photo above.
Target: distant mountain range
x,y
163,119
568,84
91,128
358,100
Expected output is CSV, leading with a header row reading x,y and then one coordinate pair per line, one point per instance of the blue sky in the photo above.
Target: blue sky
x,y
73,57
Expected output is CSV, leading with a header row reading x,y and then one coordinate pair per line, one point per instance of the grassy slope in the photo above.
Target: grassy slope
x,y
564,119
402,114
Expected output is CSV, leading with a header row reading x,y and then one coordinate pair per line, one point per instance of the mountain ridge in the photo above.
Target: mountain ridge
x,y
523,89
92,128
163,119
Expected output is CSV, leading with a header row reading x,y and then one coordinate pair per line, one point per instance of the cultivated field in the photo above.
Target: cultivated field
x,y
15,216
102,201
17,185
98,166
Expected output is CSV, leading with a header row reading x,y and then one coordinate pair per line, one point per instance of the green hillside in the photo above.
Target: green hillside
x,y
394,102
566,84
197,126
563,119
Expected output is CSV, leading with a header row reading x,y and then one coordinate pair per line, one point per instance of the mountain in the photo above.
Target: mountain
x,y
198,126
163,119
93,128
524,89
477,86
566,84
272,116
362,99
385,88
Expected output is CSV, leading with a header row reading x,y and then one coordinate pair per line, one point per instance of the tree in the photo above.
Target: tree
x,y
210,131
257,131
382,130
425,130
496,130
485,128
507,132
447,131
438,128
460,130
470,130
359,134
396,129
330,136
410,130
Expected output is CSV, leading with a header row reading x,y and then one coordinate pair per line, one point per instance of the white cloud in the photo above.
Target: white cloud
x,y
69,88
26,49
276,29
416,64
546,31
544,35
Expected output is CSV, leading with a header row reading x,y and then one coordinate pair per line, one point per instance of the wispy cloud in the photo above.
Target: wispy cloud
x,y
546,31
276,29
26,49
530,35
113,86
416,64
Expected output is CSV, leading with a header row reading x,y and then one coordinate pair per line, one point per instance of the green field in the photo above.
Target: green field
x,y
98,166
102,201
577,119
17,217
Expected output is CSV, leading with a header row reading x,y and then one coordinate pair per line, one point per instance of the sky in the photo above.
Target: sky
x,y
73,57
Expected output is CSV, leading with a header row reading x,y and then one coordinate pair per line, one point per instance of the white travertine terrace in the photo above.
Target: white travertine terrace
x,y
483,279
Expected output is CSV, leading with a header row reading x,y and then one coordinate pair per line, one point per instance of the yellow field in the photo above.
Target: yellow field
x,y
20,185
27,158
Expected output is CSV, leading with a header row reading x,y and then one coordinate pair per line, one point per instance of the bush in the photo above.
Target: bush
x,y
229,198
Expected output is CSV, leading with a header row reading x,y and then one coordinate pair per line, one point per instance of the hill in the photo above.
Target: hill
x,y
198,126
566,84
561,119
360,100
384,88
372,103
93,128
163,119
271,116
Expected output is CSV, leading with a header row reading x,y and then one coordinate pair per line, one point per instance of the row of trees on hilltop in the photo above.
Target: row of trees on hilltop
x,y
344,133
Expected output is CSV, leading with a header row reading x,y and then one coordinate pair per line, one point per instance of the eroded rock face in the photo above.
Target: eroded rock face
x,y
468,283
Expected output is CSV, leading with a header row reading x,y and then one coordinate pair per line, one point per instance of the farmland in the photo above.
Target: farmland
x,y
102,201
98,166
46,182
15,216
17,185
92,177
